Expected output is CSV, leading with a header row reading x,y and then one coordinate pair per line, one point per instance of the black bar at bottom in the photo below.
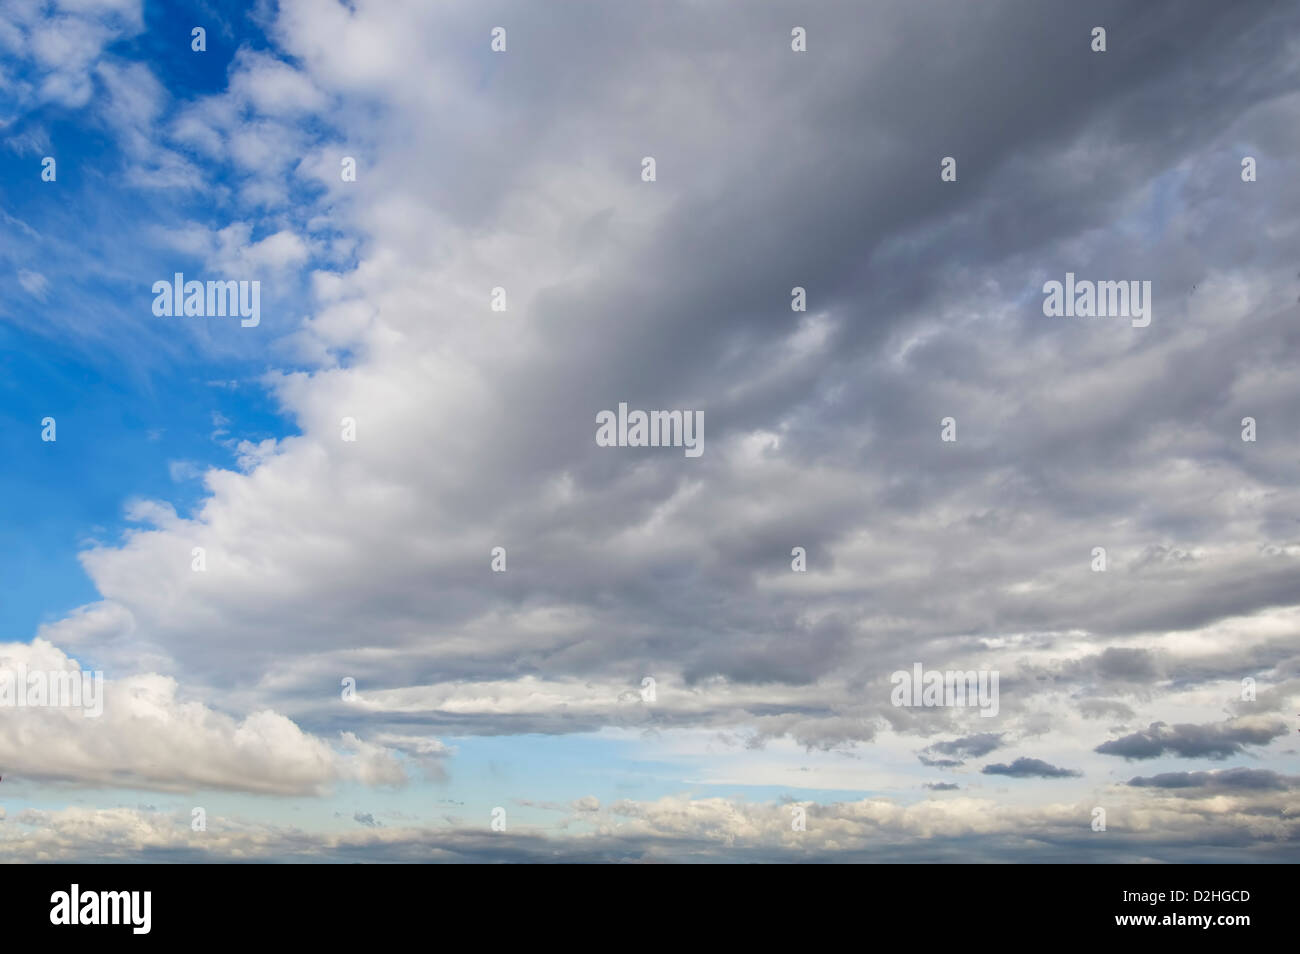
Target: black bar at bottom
x,y
1222,903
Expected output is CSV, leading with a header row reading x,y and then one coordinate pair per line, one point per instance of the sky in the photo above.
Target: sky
x,y
671,658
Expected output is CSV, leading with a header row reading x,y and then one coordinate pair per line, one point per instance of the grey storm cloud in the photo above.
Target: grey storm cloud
x,y
1215,741
1029,768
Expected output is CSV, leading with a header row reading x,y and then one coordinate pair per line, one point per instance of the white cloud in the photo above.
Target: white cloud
x,y
34,283
149,737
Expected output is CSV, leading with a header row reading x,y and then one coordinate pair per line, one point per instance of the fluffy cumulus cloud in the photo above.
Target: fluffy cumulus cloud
x,y
369,559
137,732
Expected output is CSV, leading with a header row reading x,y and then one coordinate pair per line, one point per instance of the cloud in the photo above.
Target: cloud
x,y
182,470
1104,708
34,283
1189,741
1029,768
149,737
1223,780
678,829
52,56
972,746
940,763
1117,664
273,87
315,540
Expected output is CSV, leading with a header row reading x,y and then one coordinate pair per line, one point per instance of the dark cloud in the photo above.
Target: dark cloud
x,y
1227,779
968,747
1127,665
1215,741
1030,768
971,746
